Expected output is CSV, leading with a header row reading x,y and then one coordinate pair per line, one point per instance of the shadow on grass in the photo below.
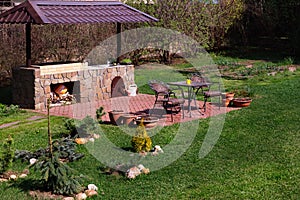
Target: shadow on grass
x,y
269,54
27,185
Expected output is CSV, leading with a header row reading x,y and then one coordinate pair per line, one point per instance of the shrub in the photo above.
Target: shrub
x,y
57,176
141,141
126,61
64,149
99,114
6,155
82,128
8,110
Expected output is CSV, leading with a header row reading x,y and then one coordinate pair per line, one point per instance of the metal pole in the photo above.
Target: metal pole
x,y
119,39
28,44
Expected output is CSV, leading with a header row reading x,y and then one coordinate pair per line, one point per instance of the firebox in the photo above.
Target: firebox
x,y
66,93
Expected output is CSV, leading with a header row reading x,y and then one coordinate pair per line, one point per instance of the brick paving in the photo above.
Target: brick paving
x,y
137,105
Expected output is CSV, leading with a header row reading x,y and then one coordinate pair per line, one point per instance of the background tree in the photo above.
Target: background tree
x,y
271,23
204,21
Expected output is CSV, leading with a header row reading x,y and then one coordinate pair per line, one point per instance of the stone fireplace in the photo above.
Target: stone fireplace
x,y
33,85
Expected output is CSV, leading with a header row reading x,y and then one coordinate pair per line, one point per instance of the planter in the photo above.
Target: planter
x,y
128,119
241,102
149,122
227,98
228,95
115,116
226,102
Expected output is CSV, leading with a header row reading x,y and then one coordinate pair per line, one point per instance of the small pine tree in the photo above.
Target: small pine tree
x,y
99,114
57,176
141,141
6,155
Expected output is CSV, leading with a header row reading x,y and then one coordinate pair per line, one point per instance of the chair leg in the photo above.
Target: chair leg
x,y
171,110
204,105
182,110
156,97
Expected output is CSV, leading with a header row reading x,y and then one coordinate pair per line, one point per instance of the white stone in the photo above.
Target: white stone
x,y
68,198
141,167
32,161
92,187
158,148
13,177
22,175
96,136
133,172
91,139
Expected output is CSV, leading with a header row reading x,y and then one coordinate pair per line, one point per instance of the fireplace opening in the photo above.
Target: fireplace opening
x,y
118,87
65,93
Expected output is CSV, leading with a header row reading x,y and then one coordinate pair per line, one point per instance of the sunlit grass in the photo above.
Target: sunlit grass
x,y
256,157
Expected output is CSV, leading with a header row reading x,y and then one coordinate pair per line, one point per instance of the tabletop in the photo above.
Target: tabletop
x,y
193,84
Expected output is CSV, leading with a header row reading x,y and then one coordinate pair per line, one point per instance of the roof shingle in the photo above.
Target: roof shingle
x,y
73,12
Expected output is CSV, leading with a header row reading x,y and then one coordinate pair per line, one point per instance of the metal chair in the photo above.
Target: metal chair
x,y
162,91
196,77
175,102
212,92
167,97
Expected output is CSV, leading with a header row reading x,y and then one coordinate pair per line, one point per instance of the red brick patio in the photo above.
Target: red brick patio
x,y
140,104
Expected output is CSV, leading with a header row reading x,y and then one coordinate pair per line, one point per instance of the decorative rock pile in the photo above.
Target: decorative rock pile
x,y
136,170
13,175
141,169
89,192
89,139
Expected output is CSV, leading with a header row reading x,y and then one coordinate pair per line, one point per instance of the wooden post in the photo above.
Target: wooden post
x,y
49,130
28,44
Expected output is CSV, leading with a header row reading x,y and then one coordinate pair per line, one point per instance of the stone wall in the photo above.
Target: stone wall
x,y
31,86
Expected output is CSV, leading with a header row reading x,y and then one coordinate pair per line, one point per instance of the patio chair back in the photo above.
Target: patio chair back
x,y
160,88
169,101
213,90
200,79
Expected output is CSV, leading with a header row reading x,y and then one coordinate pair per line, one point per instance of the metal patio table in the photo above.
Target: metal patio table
x,y
191,94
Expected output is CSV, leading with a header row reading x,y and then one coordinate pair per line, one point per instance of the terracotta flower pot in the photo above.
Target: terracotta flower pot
x,y
226,102
229,95
241,102
128,119
115,116
149,122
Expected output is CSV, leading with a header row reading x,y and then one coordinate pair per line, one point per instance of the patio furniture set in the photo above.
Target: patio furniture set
x,y
172,97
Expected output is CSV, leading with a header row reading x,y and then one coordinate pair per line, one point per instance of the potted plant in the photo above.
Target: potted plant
x,y
227,98
243,98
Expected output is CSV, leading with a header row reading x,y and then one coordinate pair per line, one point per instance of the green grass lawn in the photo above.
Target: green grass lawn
x,y
256,157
